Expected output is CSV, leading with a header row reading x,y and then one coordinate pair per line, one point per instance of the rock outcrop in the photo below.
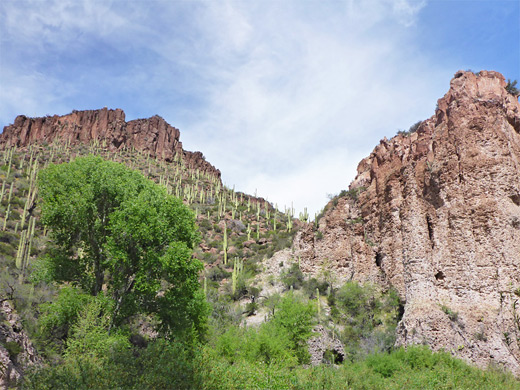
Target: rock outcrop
x,y
323,348
16,350
153,135
436,214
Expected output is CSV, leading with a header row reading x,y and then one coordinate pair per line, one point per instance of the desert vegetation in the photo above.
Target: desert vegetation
x,y
131,272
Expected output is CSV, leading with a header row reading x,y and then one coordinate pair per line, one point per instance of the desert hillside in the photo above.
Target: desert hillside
x,y
422,248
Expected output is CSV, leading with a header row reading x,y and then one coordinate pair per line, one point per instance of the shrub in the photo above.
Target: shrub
x,y
368,317
511,87
311,285
293,277
412,129
452,315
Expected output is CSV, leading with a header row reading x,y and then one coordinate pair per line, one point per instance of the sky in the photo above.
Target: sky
x,y
284,97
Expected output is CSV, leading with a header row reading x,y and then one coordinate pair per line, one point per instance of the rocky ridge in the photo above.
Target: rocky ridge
x,y
436,214
153,136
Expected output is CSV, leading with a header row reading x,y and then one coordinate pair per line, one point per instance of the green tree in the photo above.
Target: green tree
x,y
511,87
368,317
117,233
296,318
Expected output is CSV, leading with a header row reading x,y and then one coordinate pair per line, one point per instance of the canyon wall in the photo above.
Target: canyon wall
x,y
436,214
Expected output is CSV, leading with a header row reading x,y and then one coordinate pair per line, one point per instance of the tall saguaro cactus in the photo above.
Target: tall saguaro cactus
x,y
238,266
225,243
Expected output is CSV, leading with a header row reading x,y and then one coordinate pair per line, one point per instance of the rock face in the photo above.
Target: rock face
x,y
153,135
324,349
436,214
16,350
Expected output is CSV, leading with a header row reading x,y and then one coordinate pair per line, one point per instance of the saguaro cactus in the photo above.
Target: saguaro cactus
x,y
248,231
224,243
238,265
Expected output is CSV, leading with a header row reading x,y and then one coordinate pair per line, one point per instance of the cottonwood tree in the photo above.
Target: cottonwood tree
x,y
116,233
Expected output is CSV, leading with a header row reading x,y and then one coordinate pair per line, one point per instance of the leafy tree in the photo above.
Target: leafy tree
x,y
296,319
117,233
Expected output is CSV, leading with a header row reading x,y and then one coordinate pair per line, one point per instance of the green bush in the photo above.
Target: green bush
x,y
311,285
161,365
368,318
293,277
282,340
59,316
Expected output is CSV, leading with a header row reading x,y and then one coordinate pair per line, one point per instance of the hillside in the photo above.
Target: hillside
x,y
234,227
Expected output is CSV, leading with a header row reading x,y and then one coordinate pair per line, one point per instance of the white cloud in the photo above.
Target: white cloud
x,y
41,100
285,97
307,90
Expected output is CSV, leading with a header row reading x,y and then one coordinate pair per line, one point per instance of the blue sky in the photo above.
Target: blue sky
x,y
285,97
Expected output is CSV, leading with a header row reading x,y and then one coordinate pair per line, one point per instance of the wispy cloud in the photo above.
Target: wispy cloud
x,y
283,97
305,89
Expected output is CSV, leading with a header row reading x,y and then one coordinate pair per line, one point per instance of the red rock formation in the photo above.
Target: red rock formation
x,y
438,217
153,135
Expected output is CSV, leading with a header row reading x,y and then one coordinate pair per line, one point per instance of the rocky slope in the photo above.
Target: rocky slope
x,y
16,350
437,215
153,135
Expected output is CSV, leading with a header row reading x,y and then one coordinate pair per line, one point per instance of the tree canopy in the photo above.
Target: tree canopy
x,y
114,232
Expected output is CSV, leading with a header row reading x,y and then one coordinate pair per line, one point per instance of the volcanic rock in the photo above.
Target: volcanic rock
x,y
152,136
436,214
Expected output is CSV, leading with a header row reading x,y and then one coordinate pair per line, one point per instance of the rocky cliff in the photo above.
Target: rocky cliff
x,y
153,135
16,349
436,214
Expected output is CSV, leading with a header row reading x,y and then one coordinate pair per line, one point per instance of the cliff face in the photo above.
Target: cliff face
x,y
436,214
153,135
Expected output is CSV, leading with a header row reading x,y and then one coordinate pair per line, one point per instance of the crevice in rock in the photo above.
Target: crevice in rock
x,y
379,259
516,199
333,356
514,122
117,143
430,230
432,191
400,310
439,275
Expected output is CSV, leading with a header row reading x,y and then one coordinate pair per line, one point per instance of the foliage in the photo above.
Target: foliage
x,y
368,318
311,285
511,87
112,227
414,368
293,277
412,129
295,318
282,340
160,365
165,365
89,339
57,317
